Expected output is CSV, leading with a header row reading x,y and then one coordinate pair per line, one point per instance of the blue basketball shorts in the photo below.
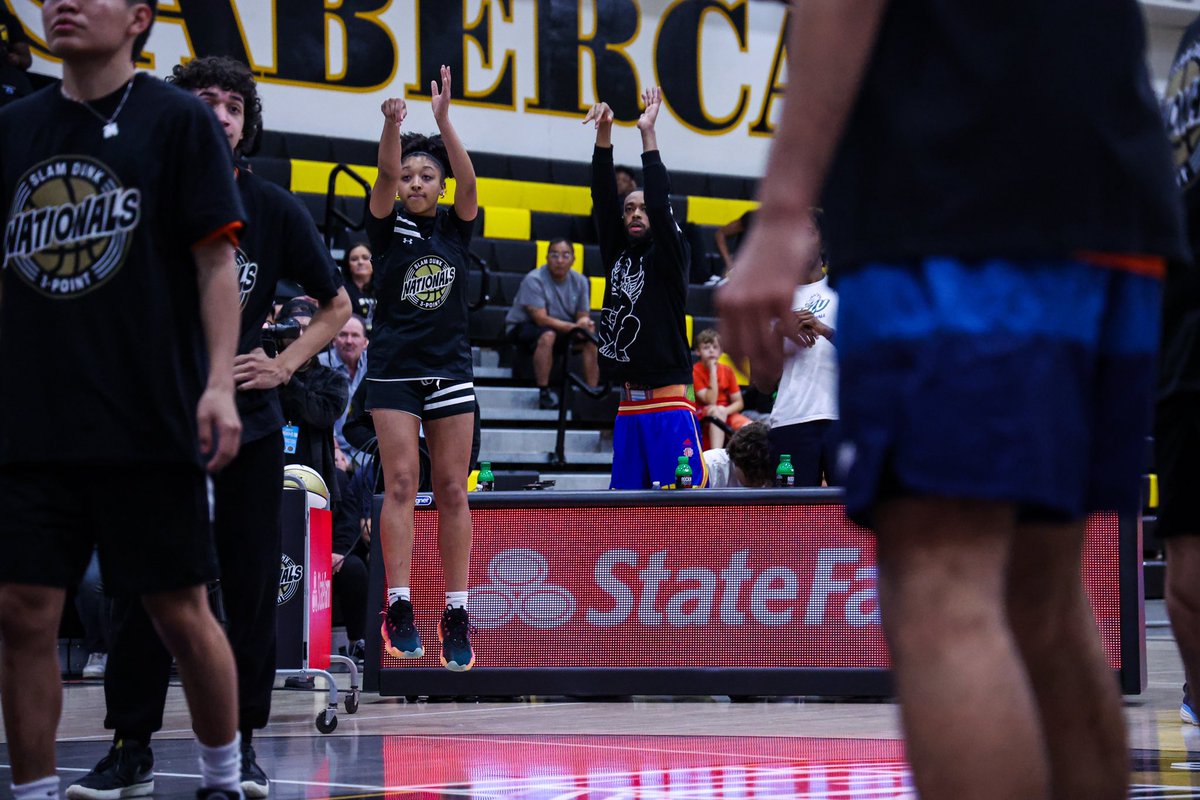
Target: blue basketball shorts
x,y
649,436
1027,383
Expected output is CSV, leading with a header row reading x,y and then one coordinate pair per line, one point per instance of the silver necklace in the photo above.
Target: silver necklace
x,y
110,129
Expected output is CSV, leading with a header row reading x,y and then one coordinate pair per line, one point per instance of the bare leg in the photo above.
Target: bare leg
x,y
543,358
1076,692
189,630
1183,600
716,437
398,433
450,451
591,364
971,724
30,687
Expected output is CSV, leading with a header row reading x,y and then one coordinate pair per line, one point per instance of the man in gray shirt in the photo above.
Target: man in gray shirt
x,y
553,300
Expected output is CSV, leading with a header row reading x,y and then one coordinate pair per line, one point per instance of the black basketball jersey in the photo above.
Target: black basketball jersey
x,y
280,241
101,343
420,324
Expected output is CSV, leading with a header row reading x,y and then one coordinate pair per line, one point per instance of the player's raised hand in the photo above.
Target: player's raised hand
x,y
394,110
441,98
601,115
652,99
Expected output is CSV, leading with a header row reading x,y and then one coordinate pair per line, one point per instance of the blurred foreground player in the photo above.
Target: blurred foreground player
x,y
642,331
999,209
280,241
1177,414
128,297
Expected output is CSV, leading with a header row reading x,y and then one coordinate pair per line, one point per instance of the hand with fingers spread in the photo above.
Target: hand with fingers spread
x,y
652,100
441,98
394,110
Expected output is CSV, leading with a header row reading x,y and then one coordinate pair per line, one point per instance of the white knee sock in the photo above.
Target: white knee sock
x,y
41,789
221,767
456,599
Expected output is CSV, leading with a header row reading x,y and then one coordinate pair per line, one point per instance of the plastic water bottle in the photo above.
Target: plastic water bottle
x,y
683,474
785,473
486,481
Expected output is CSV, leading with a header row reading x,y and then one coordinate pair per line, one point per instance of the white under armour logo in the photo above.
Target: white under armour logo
x,y
519,589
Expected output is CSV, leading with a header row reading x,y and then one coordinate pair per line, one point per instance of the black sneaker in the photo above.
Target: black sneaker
x,y
400,637
254,780
455,632
127,771
218,794
547,399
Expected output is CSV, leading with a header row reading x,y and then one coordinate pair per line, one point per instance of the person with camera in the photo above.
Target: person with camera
x,y
280,241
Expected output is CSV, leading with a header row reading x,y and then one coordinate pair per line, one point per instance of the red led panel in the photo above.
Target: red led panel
x,y
700,586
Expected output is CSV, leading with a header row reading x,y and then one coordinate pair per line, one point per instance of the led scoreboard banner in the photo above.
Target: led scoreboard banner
x,y
752,592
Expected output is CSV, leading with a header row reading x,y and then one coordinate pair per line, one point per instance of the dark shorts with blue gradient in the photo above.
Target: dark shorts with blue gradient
x,y
1025,383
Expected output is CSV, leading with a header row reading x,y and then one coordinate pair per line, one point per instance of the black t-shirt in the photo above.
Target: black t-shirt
x,y
280,241
420,324
1018,130
643,328
362,301
101,342
1179,370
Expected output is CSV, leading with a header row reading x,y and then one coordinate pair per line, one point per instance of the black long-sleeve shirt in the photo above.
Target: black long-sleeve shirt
x,y
643,332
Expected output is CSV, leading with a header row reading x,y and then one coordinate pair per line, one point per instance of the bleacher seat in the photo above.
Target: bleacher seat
x,y
514,255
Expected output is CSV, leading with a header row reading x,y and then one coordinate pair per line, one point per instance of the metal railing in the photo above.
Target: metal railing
x,y
567,382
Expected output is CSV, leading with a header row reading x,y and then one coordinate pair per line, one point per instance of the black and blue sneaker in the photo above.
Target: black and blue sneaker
x,y
127,771
455,632
400,636
1186,712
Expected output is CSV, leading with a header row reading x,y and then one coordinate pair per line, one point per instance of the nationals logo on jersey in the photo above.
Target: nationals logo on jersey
x,y
247,274
427,283
70,226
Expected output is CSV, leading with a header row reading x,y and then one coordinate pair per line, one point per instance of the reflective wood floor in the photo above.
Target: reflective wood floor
x,y
641,749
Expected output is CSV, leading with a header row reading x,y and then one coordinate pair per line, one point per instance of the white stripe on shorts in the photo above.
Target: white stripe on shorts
x,y
452,401
458,387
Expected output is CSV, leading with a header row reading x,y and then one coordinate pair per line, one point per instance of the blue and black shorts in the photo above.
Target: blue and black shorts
x,y
1026,383
649,436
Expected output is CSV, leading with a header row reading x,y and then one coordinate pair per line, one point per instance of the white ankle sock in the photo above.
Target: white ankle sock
x,y
221,767
456,599
399,593
41,789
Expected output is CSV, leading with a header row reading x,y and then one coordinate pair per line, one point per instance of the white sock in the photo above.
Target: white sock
x,y
41,789
456,599
399,593
221,767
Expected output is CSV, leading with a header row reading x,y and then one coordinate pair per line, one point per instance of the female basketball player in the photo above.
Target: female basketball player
x,y
419,371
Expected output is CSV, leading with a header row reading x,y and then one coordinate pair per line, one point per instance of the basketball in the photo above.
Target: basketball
x,y
300,476
68,259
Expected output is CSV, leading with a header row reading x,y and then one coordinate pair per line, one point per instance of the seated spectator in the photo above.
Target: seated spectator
x,y
747,462
736,229
626,181
717,390
357,271
348,357
553,300
312,401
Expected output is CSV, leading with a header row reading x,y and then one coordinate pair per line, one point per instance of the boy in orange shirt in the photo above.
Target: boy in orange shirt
x,y
717,390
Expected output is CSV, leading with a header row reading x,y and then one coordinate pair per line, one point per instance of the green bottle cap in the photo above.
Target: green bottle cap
x,y
683,459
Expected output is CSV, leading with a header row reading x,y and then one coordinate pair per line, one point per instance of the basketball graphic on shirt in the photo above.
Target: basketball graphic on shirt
x,y
70,226
1181,107
427,282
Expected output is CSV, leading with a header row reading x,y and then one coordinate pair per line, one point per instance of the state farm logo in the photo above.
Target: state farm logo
x,y
519,590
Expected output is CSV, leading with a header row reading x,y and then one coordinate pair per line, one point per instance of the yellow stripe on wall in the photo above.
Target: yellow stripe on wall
x,y
716,210
597,297
506,223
